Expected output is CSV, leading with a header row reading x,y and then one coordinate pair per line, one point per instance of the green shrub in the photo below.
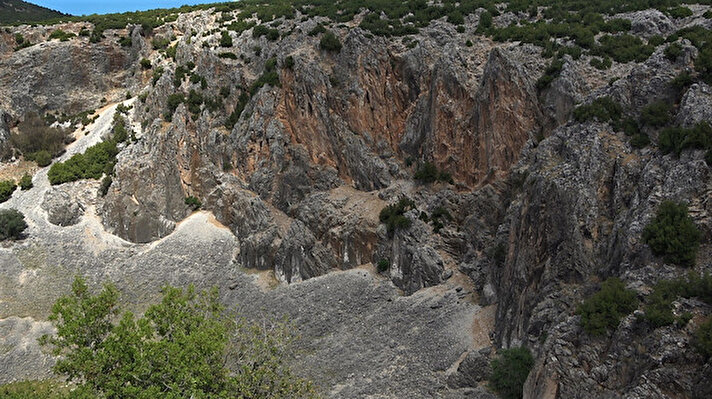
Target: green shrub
x,y
61,35
552,72
145,63
319,29
658,306
383,265
601,63
656,40
159,43
682,81
703,339
288,62
43,158
269,76
157,73
677,139
604,310
7,187
193,202
673,51
510,371
679,12
26,182
172,51
672,234
393,216
603,109
231,56
329,42
12,224
92,164
657,114
225,39
262,30
428,173
624,48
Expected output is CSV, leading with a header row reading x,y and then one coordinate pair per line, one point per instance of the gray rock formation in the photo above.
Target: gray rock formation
x,y
63,209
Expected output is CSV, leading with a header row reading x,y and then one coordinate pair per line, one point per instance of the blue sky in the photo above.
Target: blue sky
x,y
85,7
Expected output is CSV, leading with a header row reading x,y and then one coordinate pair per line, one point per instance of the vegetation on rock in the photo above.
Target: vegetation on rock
x,y
672,234
509,372
393,216
603,311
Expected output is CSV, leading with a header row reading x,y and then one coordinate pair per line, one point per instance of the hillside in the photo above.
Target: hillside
x,y
12,11
422,188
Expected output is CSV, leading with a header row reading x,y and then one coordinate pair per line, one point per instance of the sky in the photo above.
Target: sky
x,y
86,7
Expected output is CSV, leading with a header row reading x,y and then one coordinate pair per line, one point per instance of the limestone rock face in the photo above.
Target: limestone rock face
x,y
63,209
35,81
696,106
539,211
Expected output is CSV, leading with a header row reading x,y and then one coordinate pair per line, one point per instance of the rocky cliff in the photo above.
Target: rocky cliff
x,y
293,149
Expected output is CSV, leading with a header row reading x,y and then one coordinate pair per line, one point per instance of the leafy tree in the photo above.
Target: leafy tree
x,y
510,371
673,235
7,187
145,63
178,349
604,310
12,224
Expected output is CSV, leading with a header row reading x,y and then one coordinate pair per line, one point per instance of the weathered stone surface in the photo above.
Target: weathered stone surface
x,y
63,209
696,106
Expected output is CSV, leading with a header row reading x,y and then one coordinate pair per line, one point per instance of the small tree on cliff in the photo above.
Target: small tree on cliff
x,y
178,349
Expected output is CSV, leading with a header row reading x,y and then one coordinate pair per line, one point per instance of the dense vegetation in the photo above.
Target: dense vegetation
x,y
7,187
12,224
96,161
604,310
428,173
672,234
13,11
181,347
509,372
